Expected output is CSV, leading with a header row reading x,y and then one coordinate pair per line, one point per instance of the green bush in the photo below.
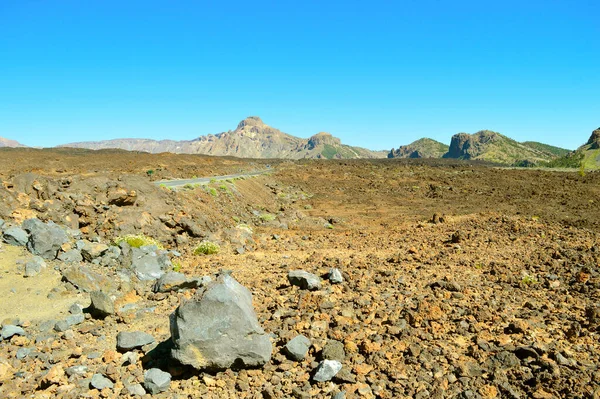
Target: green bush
x,y
212,191
267,217
136,241
150,172
207,248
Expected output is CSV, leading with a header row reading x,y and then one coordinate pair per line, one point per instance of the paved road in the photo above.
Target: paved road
x,y
206,180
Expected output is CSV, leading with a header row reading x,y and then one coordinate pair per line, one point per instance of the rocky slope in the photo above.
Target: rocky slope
x,y
586,157
9,143
251,139
494,147
422,148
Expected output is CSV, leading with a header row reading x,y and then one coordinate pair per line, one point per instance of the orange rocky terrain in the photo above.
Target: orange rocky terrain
x,y
452,279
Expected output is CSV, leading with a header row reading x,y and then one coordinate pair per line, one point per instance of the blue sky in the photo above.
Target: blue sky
x,y
377,74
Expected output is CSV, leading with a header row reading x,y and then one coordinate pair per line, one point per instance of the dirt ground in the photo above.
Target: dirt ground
x,y
461,279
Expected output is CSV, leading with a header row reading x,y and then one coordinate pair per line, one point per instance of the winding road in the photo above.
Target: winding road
x,y
205,180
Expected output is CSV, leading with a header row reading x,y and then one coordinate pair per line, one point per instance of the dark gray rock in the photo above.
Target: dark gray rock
x,y
156,381
61,326
304,280
71,256
100,382
297,347
74,319
326,370
131,340
148,264
9,330
45,240
334,350
102,304
335,276
218,328
34,266
15,236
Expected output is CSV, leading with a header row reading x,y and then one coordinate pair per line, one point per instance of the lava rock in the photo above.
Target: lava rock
x,y
135,390
131,340
156,380
45,240
9,330
147,264
333,350
326,370
304,280
34,266
218,328
93,250
100,382
335,276
173,281
297,347
15,236
86,280
102,305
71,256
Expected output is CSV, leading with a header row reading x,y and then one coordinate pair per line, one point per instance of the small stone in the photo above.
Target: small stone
x,y
335,276
76,309
135,389
76,370
74,319
297,347
304,280
9,330
22,353
61,326
54,376
70,256
34,266
102,305
100,382
334,350
326,370
173,281
131,340
156,380
93,250
339,395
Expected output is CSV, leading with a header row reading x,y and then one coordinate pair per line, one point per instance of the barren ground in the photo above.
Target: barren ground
x,y
497,296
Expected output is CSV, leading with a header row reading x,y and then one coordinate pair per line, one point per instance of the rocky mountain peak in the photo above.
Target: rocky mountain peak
x,y
250,121
323,138
594,140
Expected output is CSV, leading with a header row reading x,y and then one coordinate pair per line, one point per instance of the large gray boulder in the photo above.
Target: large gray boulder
x,y
45,240
218,328
15,236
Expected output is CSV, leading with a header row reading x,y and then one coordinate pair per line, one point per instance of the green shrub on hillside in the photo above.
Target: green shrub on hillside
x,y
207,248
136,241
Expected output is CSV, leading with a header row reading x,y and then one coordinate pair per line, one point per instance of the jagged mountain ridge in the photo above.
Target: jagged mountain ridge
x,y
251,139
422,148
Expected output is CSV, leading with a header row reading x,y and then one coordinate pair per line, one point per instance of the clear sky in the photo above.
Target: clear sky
x,y
377,74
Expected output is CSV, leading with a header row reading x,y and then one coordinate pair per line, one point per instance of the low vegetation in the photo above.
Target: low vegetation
x,y
207,248
137,241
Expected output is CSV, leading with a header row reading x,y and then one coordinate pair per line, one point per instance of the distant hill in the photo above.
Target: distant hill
x,y
548,149
251,139
587,156
490,146
422,148
9,143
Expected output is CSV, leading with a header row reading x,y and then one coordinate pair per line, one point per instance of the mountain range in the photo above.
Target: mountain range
x,y
251,139
254,139
484,145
